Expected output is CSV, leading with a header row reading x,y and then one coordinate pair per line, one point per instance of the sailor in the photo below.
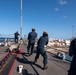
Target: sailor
x,y
16,36
43,40
72,53
31,41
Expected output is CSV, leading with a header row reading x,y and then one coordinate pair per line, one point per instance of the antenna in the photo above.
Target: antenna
x,y
72,31
20,18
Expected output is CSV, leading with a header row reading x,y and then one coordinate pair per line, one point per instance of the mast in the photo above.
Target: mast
x,y
20,19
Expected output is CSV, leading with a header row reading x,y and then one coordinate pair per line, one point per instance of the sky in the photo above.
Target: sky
x,y
54,16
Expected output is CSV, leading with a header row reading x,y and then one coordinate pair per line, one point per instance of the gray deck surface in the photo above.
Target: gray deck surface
x,y
55,66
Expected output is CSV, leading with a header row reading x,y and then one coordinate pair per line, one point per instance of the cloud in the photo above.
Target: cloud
x,y
62,2
65,17
56,9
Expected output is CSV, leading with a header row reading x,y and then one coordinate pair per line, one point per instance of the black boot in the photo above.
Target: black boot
x,y
34,61
31,53
45,67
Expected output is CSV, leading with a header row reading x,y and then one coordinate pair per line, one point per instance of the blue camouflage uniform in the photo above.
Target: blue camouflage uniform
x,y
72,53
31,41
16,37
43,40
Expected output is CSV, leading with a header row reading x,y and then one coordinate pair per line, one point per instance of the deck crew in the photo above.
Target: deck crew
x,y
43,40
72,53
31,41
16,34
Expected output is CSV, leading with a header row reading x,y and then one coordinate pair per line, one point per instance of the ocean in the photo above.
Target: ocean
x,y
2,39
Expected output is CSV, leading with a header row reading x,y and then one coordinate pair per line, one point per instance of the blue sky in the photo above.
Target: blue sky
x,y
54,16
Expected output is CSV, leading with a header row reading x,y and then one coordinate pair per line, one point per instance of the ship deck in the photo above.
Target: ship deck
x,y
55,66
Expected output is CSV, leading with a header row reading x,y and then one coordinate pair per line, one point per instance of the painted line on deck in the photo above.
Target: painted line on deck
x,y
13,66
